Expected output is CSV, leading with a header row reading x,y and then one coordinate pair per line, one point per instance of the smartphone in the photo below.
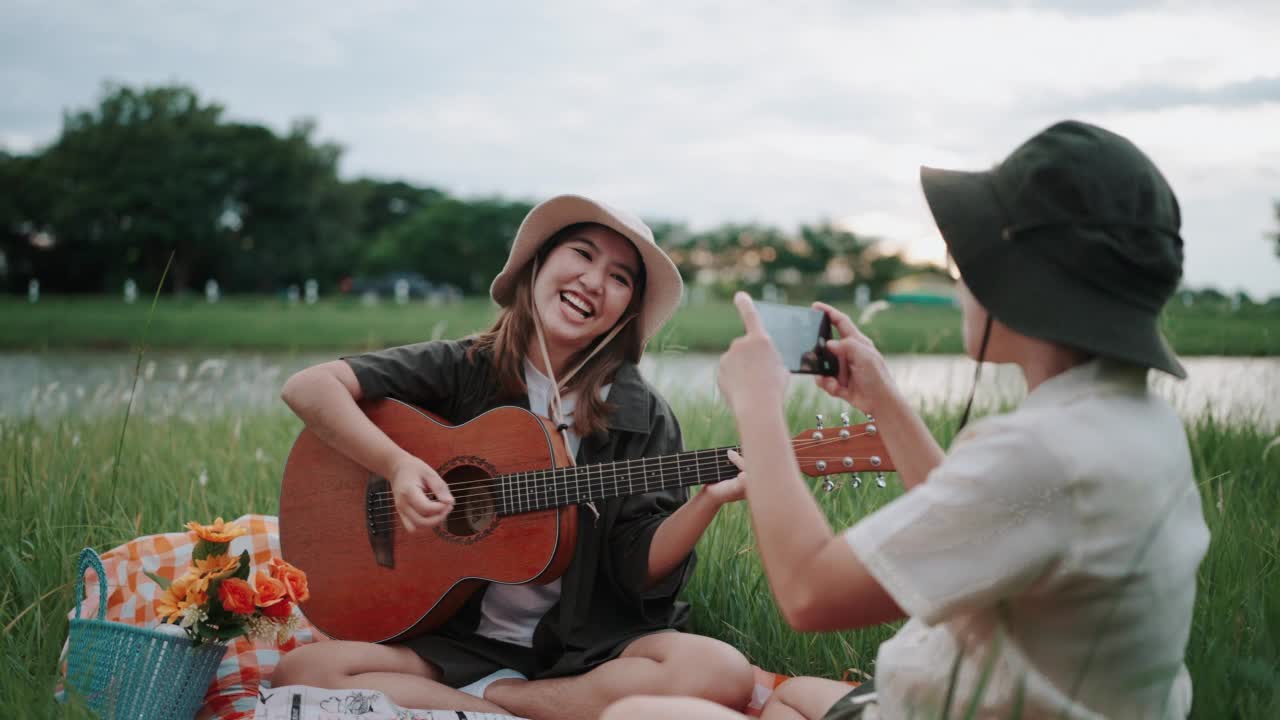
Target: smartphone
x,y
801,336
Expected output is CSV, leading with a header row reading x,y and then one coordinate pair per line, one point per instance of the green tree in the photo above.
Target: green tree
x,y
152,171
288,217
25,195
136,177
828,242
386,203
460,242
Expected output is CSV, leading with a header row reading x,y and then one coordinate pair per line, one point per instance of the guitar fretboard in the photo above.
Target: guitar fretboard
x,y
543,489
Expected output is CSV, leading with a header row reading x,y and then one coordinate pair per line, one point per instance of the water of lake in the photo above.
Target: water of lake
x,y
190,386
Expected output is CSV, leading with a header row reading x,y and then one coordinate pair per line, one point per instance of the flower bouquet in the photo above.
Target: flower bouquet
x,y
125,671
215,600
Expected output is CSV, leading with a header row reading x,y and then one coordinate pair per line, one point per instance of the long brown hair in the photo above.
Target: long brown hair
x,y
512,336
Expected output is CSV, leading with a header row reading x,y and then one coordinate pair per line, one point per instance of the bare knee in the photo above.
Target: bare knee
x,y
712,670
633,708
794,690
306,665
646,707
808,697
331,663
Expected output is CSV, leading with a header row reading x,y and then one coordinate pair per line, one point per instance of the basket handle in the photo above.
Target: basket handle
x,y
89,559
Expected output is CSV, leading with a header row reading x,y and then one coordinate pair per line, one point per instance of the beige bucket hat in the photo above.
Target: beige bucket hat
x,y
663,287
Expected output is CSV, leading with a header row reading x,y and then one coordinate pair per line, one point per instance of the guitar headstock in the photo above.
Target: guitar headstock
x,y
825,451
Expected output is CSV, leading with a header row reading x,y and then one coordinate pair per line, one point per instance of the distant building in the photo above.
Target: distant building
x,y
922,289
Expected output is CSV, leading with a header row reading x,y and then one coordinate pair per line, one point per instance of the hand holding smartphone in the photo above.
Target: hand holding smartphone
x,y
800,334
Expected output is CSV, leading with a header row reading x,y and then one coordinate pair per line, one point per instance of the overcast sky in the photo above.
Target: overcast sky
x,y
780,112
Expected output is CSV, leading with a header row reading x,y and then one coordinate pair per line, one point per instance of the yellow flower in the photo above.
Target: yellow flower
x,y
218,532
177,598
214,567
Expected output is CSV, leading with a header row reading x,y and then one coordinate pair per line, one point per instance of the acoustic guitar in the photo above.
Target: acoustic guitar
x,y
514,518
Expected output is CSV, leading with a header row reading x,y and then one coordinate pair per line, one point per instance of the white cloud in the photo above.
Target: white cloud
x,y
774,112
17,142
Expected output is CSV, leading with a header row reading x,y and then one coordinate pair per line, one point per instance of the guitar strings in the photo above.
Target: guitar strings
x,y
389,519
527,484
511,490
534,493
661,462
710,466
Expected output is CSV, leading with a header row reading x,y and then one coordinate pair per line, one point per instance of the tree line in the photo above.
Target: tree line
x,y
150,172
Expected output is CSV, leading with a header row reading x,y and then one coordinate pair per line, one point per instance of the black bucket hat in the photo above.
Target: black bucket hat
x,y
1072,238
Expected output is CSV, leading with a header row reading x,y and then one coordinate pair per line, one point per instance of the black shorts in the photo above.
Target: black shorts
x,y
464,659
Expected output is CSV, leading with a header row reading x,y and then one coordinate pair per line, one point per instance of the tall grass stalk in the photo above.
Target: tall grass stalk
x,y
137,372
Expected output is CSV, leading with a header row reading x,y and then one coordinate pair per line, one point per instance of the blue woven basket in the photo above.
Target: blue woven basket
x,y
123,671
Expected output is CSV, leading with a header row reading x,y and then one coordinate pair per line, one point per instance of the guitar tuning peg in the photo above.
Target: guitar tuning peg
x,y
828,484
819,416
855,481
844,419
880,480
870,418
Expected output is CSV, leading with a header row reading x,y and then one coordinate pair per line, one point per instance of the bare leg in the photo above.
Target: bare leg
x,y
665,663
648,707
397,671
803,698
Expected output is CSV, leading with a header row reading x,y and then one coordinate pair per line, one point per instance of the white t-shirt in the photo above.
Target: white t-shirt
x,y
1059,543
511,612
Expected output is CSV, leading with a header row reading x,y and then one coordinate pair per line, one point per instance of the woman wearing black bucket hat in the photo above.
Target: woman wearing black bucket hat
x,y
1047,562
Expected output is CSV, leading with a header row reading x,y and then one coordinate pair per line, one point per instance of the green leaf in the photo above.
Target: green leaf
x,y
205,549
164,583
214,606
242,572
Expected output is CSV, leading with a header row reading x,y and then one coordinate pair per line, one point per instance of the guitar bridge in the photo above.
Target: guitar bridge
x,y
380,516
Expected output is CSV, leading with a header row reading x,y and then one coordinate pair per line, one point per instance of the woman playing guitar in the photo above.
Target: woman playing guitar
x,y
583,290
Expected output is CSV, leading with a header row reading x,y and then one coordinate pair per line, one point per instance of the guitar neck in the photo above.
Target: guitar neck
x,y
543,489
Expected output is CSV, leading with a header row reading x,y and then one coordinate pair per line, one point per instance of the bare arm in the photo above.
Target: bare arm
x,y
818,581
325,397
676,537
865,383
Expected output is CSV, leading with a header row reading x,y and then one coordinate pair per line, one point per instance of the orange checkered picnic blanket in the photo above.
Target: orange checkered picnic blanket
x,y
248,664
131,599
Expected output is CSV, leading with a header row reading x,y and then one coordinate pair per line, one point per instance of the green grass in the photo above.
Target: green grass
x,y
261,323
57,493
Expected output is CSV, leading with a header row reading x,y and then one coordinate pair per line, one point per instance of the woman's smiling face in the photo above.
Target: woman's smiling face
x,y
584,286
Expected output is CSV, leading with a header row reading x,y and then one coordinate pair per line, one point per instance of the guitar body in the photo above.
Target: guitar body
x,y
371,579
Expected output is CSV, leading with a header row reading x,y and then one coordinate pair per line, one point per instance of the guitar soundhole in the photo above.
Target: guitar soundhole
x,y
473,510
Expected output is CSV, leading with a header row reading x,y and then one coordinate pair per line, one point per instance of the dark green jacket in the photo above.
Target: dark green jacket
x,y
603,600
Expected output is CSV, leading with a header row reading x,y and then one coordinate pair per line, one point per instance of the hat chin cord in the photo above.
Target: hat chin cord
x,y
557,415
977,371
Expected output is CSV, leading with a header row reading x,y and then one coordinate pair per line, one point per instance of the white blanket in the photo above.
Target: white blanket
x,y
300,702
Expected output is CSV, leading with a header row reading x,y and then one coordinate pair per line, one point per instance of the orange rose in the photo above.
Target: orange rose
x,y
270,591
295,581
218,532
236,596
278,611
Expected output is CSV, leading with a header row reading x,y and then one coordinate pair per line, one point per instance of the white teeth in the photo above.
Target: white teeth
x,y
577,304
